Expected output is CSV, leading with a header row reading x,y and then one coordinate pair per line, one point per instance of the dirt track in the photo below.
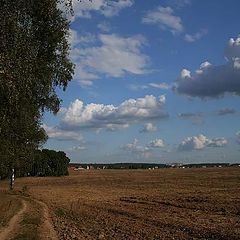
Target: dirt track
x,y
45,229
13,226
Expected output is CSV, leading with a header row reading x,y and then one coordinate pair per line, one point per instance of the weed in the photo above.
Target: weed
x,y
59,212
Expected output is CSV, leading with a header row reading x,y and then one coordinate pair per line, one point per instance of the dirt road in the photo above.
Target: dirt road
x,y
16,225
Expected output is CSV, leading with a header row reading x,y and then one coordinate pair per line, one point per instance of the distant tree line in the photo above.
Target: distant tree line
x,y
119,165
43,163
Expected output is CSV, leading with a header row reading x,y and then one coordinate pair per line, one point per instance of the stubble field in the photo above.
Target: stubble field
x,y
142,204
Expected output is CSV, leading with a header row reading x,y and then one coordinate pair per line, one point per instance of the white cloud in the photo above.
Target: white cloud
x,y
163,86
213,81
108,8
104,26
79,40
149,127
134,147
157,143
232,50
200,142
164,17
115,57
194,37
217,142
76,149
100,116
62,135
137,87
141,150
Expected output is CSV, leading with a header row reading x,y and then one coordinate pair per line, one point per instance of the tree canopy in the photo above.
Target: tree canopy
x,y
34,61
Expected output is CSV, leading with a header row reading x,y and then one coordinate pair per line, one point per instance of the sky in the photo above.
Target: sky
x,y
155,81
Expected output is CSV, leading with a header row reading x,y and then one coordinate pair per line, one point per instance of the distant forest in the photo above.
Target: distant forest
x,y
147,165
42,163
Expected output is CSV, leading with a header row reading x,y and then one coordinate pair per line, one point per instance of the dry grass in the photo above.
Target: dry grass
x,y
143,204
9,206
30,223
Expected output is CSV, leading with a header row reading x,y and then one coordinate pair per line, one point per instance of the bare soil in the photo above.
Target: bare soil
x,y
142,204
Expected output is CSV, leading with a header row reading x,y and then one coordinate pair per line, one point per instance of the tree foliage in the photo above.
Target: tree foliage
x,y
50,163
34,62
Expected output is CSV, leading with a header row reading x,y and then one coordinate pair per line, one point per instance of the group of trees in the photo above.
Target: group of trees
x,y
42,163
34,61
49,163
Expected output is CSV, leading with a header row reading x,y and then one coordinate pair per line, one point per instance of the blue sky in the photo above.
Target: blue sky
x,y
155,81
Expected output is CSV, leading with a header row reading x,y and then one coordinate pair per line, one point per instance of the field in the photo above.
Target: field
x,y
142,204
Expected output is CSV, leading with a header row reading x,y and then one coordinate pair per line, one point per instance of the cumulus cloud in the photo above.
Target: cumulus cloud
x,y
149,127
157,143
164,17
232,50
108,8
112,56
200,142
213,81
194,37
62,135
141,150
100,116
134,147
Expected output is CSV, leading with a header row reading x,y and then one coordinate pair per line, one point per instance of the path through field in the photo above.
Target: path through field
x,y
13,226
47,230
17,226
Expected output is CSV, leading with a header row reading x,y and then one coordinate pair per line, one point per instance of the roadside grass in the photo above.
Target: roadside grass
x,y
9,206
30,223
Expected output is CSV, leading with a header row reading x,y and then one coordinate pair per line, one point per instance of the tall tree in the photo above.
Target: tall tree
x,y
34,61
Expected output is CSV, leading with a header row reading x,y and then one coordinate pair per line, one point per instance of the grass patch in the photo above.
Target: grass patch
x,y
25,237
30,223
59,212
9,206
31,220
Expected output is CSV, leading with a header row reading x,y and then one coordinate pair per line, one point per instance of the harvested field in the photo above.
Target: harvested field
x,y
142,204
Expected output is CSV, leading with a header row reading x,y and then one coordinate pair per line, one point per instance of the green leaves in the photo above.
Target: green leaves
x,y
34,60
